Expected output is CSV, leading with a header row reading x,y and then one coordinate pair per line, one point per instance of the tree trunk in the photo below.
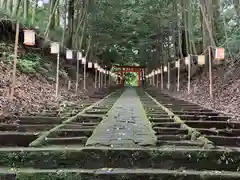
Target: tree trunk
x,y
237,8
190,31
34,10
185,21
206,9
70,22
53,7
179,29
16,7
25,9
9,6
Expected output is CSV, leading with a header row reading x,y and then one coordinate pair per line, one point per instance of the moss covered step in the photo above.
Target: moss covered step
x,y
220,132
66,141
157,119
169,131
224,140
96,111
86,119
26,127
157,115
166,124
102,107
17,138
76,125
182,143
205,113
170,137
115,174
203,117
213,124
152,110
92,115
93,158
32,120
72,132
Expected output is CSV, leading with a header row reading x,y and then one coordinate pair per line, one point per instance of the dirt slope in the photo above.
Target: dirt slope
x,y
226,89
35,91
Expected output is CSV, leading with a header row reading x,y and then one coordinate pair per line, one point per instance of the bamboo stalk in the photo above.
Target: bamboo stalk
x,y
15,61
57,76
210,73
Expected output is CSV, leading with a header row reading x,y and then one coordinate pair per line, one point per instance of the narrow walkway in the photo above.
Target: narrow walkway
x,y
126,124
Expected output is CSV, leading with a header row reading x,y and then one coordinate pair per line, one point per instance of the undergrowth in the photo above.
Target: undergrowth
x,y
29,63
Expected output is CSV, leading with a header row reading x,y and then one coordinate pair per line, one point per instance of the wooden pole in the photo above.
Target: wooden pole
x,y
95,81
15,61
57,76
189,74
178,77
99,80
157,79
109,80
121,74
84,75
210,73
139,77
150,81
169,71
105,79
102,85
162,77
153,79
69,85
77,78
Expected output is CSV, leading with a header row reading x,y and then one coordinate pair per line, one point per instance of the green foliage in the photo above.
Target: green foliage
x,y
131,79
124,31
28,63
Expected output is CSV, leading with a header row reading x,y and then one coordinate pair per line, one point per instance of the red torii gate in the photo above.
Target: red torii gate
x,y
124,69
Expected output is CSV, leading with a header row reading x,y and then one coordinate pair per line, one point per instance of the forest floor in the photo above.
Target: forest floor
x,y
35,85
226,89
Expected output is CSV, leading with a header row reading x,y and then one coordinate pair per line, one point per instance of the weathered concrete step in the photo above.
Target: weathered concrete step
x,y
189,109
183,143
225,141
182,105
196,113
220,132
103,107
102,112
166,124
214,124
116,174
204,117
89,119
17,138
76,125
171,158
160,120
169,131
178,137
32,120
92,115
157,115
26,127
154,111
73,132
67,140
46,113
